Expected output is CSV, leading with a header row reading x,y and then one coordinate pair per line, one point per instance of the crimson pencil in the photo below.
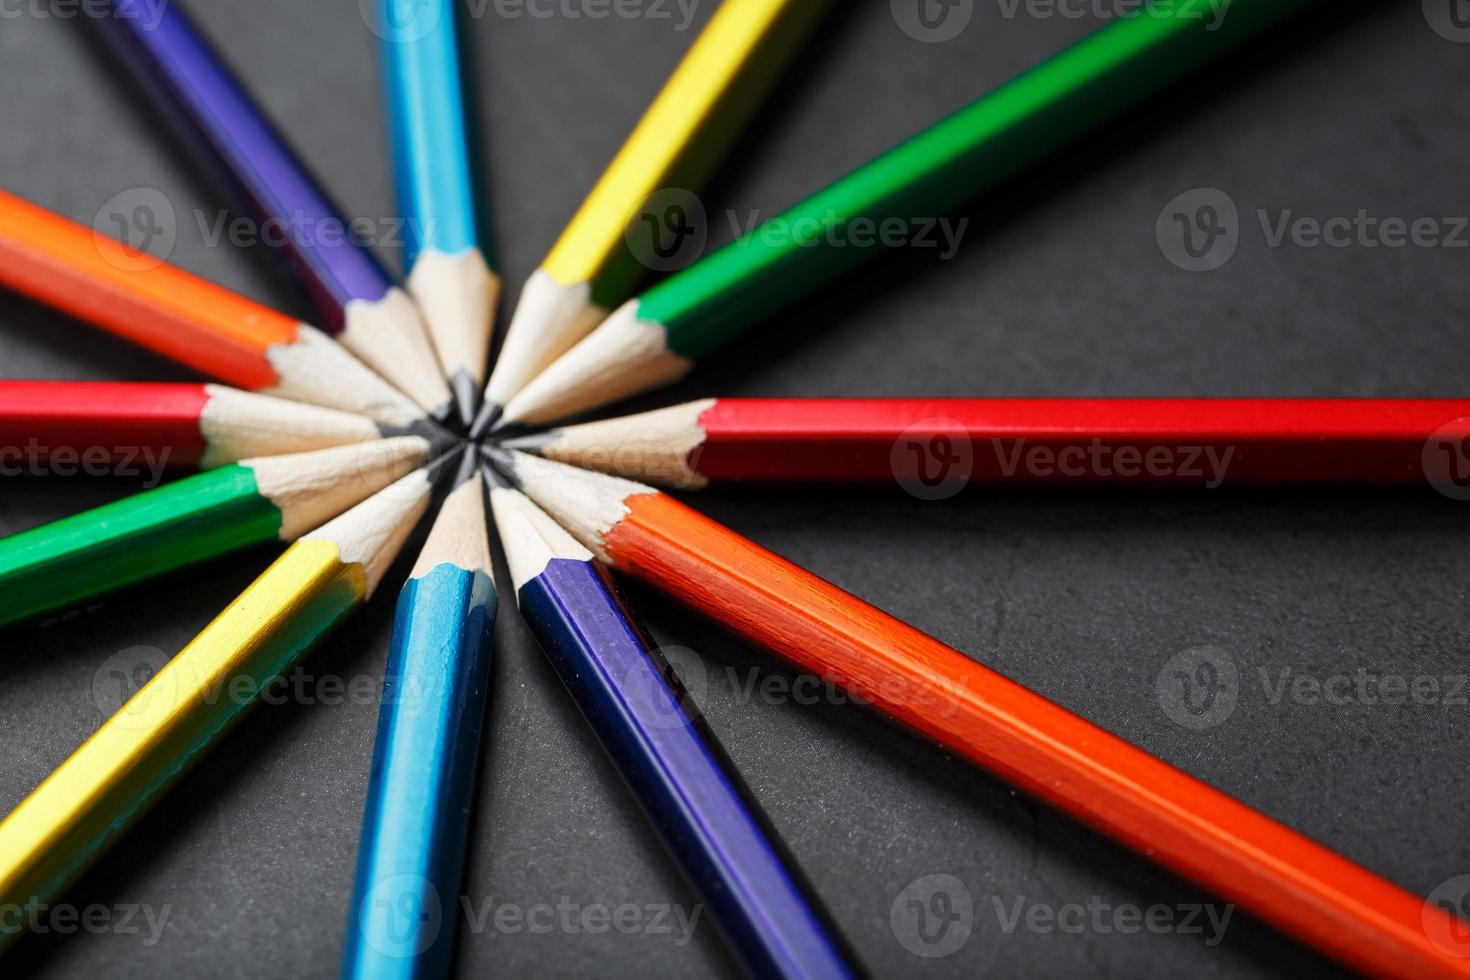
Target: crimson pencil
x,y
116,424
1189,441
1303,888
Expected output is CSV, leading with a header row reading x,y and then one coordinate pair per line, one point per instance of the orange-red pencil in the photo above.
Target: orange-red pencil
x,y
181,316
1303,888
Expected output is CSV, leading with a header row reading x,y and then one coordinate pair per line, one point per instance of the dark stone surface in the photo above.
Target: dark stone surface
x,y
1060,288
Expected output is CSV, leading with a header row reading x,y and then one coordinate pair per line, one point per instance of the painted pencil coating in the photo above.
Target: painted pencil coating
x,y
189,521
103,787
1177,441
92,553
241,150
411,856
602,254
449,272
657,338
163,308
1301,887
638,713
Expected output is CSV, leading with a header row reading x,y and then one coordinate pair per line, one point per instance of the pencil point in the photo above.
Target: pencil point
x,y
533,443
490,413
466,396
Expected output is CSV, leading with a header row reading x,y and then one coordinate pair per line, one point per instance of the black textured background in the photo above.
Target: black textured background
x,y
1060,289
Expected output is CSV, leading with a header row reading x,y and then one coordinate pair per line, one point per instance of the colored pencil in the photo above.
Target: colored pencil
x,y
656,338
676,146
1180,441
449,272
635,706
1143,803
107,783
237,147
119,426
278,498
410,857
169,311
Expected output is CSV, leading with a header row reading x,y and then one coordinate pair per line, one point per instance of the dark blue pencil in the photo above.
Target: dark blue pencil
x,y
660,751
231,139
411,857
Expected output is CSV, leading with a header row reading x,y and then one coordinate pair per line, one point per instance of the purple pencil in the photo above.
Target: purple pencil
x,y
242,152
661,751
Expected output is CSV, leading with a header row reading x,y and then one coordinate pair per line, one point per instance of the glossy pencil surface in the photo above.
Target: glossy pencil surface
x,y
190,521
165,309
1206,442
1190,828
638,711
107,783
241,151
428,122
412,850
656,338
130,428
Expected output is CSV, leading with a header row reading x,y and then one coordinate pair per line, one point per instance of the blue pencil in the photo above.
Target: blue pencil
x,y
659,749
449,272
231,139
411,856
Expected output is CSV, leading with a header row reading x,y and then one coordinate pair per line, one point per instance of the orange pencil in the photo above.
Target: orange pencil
x,y
181,316
1304,889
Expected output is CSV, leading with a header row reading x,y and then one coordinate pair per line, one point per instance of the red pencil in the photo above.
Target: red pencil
x,y
112,427
919,441
1208,837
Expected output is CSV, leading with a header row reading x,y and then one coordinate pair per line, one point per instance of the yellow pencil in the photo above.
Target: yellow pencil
x,y
132,759
704,105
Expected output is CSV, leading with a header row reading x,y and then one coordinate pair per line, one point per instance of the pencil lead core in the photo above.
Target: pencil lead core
x,y
490,413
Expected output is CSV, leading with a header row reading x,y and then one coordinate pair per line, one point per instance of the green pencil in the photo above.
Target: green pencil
x,y
251,502
656,338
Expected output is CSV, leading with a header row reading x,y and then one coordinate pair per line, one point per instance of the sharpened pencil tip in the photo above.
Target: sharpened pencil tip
x,y
494,479
490,413
532,443
503,463
466,397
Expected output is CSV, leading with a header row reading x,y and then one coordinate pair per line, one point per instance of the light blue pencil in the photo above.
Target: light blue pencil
x,y
410,860
448,267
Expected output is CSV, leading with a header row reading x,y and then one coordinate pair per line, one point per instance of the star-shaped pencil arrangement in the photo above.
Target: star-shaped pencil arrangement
x,y
339,439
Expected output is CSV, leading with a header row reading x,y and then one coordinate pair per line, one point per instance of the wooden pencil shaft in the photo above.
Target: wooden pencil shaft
x,y
696,117
1190,441
103,787
109,423
189,521
662,754
133,540
242,153
159,306
971,151
1142,802
417,815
